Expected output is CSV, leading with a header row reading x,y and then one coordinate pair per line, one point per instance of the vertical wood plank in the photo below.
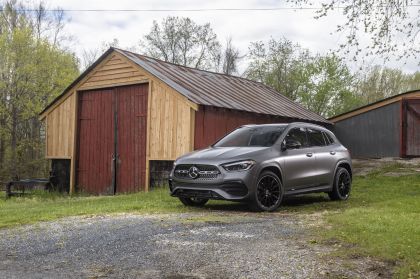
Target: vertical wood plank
x,y
73,142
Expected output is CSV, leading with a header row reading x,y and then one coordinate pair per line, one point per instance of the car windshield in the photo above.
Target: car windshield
x,y
251,136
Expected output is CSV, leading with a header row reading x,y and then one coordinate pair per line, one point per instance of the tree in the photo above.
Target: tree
x,y
380,82
392,26
182,41
320,83
34,69
279,64
230,58
328,87
89,56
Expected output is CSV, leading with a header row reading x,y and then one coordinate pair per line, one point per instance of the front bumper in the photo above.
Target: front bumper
x,y
230,190
233,186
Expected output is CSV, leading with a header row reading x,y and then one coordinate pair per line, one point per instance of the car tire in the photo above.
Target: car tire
x,y
268,192
342,185
197,202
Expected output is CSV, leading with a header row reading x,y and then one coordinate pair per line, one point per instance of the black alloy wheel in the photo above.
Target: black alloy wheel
x,y
342,185
268,193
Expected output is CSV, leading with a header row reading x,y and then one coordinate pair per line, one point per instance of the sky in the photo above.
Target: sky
x,y
90,29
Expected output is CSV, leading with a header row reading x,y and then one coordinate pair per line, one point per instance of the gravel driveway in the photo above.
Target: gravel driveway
x,y
207,245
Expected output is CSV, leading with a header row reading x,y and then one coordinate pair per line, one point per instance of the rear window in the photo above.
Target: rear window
x,y
315,137
328,138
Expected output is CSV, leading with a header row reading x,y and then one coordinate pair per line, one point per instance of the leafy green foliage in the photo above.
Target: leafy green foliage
x,y
378,82
320,83
34,69
390,27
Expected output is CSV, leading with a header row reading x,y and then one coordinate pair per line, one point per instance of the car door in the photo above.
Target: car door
x,y
298,163
324,155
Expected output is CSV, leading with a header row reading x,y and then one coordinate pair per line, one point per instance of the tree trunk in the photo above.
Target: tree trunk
x,y
35,139
13,145
2,144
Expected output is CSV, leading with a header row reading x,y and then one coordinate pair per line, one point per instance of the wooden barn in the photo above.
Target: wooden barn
x,y
129,113
386,128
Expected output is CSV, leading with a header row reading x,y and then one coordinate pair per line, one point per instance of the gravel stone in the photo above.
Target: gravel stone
x,y
169,246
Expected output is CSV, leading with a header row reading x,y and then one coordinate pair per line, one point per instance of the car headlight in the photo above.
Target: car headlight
x,y
174,165
239,166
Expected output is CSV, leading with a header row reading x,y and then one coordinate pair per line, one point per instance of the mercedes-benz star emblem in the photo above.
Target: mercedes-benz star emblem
x,y
193,172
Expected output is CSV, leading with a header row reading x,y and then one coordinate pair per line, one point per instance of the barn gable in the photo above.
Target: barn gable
x,y
114,71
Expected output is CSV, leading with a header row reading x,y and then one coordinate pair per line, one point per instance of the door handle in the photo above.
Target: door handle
x,y
309,154
332,152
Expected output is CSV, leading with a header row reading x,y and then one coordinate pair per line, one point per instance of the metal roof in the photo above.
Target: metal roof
x,y
213,89
220,90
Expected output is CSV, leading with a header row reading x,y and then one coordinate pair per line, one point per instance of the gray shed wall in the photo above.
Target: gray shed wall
x,y
373,134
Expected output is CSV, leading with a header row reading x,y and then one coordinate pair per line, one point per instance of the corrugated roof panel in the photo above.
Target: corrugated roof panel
x,y
215,89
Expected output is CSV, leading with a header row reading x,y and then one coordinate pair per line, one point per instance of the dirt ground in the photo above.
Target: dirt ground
x,y
398,167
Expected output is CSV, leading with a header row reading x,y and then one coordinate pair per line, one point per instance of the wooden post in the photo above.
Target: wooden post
x,y
74,151
149,100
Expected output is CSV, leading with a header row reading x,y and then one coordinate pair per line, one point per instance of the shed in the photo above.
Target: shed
x,y
127,113
386,128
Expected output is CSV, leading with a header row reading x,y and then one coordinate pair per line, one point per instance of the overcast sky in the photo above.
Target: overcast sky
x,y
90,29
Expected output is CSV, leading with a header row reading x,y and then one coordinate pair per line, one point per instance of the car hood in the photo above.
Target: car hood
x,y
221,154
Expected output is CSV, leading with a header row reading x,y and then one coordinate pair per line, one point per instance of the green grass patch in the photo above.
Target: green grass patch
x,y
41,206
381,219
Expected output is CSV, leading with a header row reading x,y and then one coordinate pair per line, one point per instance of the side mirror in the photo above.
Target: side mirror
x,y
290,144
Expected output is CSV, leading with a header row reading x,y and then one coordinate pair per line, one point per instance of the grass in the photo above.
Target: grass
x,y
381,219
45,206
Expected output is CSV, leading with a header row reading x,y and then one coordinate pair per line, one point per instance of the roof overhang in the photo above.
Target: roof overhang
x,y
375,105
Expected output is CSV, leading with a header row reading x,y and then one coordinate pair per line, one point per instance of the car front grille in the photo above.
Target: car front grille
x,y
205,172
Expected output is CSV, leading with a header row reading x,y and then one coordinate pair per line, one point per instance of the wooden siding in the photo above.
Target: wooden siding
x,y
115,71
60,130
170,123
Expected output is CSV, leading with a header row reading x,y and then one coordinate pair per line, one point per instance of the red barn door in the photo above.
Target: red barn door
x,y
112,140
96,143
411,127
131,109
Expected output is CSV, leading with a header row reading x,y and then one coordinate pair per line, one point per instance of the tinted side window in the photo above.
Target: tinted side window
x,y
315,138
328,138
299,135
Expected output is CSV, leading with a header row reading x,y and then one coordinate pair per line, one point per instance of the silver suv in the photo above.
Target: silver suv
x,y
261,164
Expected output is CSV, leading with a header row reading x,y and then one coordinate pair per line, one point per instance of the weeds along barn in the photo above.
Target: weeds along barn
x,y
129,115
